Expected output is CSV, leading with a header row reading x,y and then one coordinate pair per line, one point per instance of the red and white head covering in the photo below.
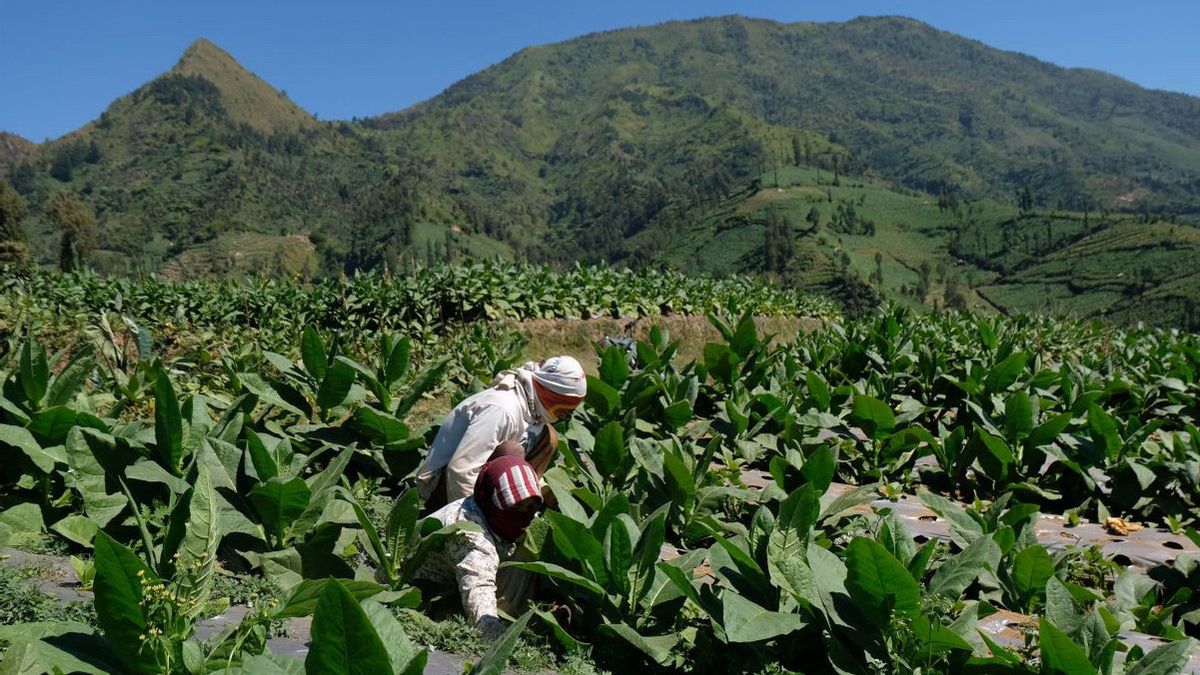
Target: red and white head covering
x,y
560,385
502,484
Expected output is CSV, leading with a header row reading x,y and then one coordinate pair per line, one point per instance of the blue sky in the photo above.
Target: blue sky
x,y
63,62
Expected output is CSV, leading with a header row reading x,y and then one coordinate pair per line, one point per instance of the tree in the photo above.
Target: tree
x,y
796,150
1025,201
12,231
814,218
77,225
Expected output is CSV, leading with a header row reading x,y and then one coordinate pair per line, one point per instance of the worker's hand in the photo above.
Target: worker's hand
x,y
491,627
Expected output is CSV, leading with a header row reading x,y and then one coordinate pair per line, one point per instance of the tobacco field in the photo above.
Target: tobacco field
x,y
172,436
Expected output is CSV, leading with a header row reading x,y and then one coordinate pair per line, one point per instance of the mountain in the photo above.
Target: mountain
x,y
656,145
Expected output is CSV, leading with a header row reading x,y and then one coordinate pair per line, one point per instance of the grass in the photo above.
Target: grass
x,y
534,653
22,602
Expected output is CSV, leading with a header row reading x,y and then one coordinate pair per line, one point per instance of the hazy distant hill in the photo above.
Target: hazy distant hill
x,y
632,145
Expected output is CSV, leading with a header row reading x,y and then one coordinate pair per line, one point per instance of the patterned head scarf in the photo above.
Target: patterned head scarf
x,y
502,484
560,385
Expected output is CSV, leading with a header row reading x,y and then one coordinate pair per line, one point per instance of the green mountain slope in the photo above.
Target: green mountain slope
x,y
647,146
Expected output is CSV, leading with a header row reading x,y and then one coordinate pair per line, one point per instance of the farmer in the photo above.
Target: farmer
x,y
504,501
520,407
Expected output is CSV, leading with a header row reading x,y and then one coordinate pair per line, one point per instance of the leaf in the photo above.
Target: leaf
x,y
720,361
1060,607
819,468
657,647
336,384
1104,432
818,389
960,571
1032,568
649,547
872,415
1060,655
303,598
418,387
745,621
255,384
380,426
936,638
1004,374
1167,659
495,660
878,583
90,477
77,528
397,362
118,591
574,540
21,439
168,422
1019,416
406,658
618,551
149,471
610,452
312,352
33,372
22,518
1049,430
198,550
279,503
789,538
344,642
565,639
602,397
265,466
561,573
71,379
614,368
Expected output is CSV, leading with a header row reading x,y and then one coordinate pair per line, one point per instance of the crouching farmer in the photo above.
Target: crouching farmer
x,y
519,408
505,499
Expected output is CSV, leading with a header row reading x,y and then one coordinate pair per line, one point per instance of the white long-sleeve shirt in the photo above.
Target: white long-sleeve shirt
x,y
471,560
469,435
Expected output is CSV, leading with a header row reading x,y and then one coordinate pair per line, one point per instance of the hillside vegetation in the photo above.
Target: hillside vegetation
x,y
702,145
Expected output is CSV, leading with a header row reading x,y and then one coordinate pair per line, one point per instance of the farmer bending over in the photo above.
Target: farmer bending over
x,y
520,407
505,498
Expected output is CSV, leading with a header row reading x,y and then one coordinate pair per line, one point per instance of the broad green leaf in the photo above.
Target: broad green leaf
x,y
397,362
265,466
149,471
406,658
574,540
878,583
21,439
24,517
649,547
720,361
1032,568
336,384
1167,659
873,416
168,422
657,647
279,503
1060,607
89,476
344,641
819,468
561,573
818,389
610,451
1004,374
77,528
789,538
614,368
302,599
618,552
118,590
312,352
198,550
602,397
745,621
33,372
960,571
71,379
380,426
1019,416
495,660
936,638
1104,431
1049,430
1060,655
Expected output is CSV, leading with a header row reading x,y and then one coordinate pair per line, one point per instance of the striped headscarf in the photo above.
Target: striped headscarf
x,y
502,484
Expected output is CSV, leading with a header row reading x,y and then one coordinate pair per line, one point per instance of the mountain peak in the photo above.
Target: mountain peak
x,y
246,96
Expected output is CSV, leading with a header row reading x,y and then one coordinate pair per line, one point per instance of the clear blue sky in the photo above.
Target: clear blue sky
x,y
63,62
